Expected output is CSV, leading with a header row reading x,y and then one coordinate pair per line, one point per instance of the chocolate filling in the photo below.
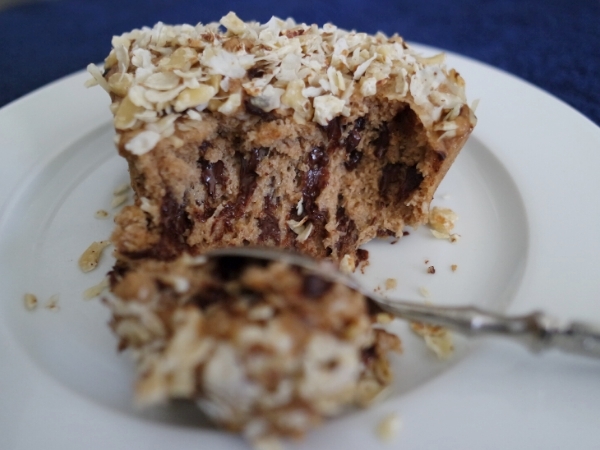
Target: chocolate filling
x,y
269,224
315,179
348,231
174,226
314,286
382,142
248,182
398,181
212,175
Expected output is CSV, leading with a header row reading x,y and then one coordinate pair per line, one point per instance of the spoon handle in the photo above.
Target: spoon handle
x,y
536,331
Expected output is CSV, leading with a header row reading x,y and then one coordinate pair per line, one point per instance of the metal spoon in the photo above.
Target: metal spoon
x,y
536,331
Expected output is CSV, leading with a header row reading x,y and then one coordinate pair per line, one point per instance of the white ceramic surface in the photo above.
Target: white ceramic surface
x,y
525,188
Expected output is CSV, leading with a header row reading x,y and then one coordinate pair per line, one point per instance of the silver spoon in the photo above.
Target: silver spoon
x,y
536,331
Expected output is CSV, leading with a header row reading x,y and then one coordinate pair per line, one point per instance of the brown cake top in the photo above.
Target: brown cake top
x,y
166,74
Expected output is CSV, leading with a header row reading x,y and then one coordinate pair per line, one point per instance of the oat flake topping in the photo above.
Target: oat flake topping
x,y
163,76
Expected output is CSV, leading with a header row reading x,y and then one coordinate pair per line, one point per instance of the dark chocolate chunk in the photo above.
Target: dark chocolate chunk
x,y
248,175
212,174
174,226
256,111
352,140
382,142
353,160
255,72
362,255
314,286
210,296
334,130
412,180
399,181
269,223
348,231
360,123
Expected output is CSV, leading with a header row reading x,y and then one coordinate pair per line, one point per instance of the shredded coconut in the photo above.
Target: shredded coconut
x,y
313,73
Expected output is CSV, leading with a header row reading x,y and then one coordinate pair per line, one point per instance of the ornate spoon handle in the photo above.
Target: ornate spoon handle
x,y
536,331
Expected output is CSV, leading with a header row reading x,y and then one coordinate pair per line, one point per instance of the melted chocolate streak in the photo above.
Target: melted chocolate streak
x,y
248,181
174,225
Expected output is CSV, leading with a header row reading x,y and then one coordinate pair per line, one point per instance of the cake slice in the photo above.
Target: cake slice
x,y
280,134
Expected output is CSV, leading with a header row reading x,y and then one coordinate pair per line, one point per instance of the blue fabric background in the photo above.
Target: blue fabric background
x,y
554,44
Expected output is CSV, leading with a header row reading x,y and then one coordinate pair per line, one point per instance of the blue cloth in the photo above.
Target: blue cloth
x,y
554,44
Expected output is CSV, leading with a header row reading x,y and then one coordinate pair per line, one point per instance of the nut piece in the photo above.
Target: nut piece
x,y
437,338
96,290
118,200
30,301
190,98
391,283
121,189
101,214
52,303
442,220
389,427
424,292
90,258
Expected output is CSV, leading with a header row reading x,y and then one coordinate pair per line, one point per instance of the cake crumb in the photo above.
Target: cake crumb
x,y
91,256
426,261
453,267
424,292
389,427
383,318
52,303
437,338
442,220
96,290
30,301
391,283
454,237
101,214
118,200
431,270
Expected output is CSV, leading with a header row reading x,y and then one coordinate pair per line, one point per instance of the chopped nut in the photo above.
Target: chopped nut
x,y
52,303
454,267
121,189
437,338
424,292
431,269
190,98
91,256
118,200
348,264
96,290
391,283
384,318
143,142
389,427
442,220
101,214
305,233
439,235
30,301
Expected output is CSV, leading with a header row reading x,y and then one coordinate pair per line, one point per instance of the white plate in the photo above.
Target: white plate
x,y
525,187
